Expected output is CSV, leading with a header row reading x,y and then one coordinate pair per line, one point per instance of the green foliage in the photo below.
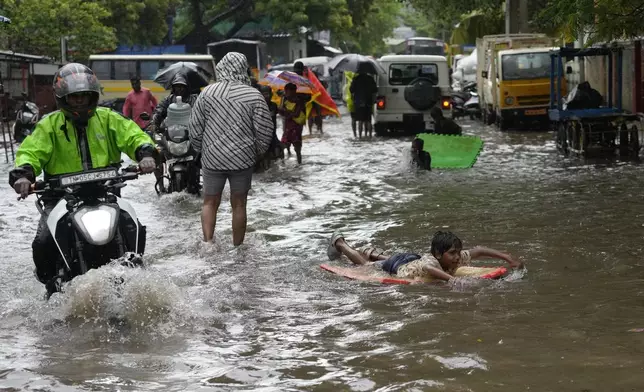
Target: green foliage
x,y
290,15
377,24
601,20
443,15
138,21
38,25
360,25
417,21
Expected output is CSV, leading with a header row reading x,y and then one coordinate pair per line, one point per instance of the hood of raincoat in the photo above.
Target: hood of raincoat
x,y
233,67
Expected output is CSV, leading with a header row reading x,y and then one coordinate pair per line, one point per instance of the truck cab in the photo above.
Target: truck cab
x,y
522,86
513,78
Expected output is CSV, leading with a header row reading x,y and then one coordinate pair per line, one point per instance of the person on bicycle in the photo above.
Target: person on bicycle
x,y
78,137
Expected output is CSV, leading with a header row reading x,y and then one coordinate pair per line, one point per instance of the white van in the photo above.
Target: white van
x,y
408,87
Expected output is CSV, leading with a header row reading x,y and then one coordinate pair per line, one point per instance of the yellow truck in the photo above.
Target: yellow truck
x,y
513,79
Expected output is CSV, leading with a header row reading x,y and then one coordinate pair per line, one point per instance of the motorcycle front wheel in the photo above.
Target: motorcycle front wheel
x,y
178,181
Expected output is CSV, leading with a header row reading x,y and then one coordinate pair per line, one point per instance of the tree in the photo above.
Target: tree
x,y
140,22
600,20
417,21
38,25
376,24
200,16
444,15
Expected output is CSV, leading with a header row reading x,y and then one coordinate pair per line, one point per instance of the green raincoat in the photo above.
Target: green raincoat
x,y
54,146
347,93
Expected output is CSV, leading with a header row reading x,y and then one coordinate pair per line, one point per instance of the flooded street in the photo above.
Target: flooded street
x,y
265,317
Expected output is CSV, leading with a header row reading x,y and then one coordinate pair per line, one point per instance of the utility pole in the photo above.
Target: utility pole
x,y
516,16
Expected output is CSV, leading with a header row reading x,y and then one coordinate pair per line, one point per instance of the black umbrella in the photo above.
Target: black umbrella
x,y
196,76
350,62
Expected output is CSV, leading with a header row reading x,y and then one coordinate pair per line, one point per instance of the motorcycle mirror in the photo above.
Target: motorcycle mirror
x,y
144,116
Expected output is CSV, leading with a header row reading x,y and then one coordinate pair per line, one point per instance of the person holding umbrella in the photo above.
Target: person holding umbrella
x,y
180,88
184,79
363,92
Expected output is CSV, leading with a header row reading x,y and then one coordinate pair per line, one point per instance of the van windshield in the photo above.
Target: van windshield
x,y
403,74
523,66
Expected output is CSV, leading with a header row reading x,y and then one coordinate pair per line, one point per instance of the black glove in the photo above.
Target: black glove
x,y
22,187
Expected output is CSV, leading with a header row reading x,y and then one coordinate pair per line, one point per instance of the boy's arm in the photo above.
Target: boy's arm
x,y
480,252
437,273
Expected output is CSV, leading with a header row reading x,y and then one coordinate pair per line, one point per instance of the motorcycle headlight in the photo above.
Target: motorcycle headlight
x,y
178,149
27,117
509,100
96,224
177,133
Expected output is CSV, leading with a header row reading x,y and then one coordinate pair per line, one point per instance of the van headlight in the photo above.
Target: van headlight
x,y
509,100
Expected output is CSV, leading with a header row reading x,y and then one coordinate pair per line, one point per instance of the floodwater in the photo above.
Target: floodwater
x,y
265,317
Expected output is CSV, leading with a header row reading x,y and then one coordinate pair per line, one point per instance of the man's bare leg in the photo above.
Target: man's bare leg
x,y
209,216
238,204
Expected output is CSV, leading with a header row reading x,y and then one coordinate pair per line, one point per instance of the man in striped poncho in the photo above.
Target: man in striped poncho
x,y
232,127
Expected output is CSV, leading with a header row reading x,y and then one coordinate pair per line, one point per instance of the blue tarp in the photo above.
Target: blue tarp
x,y
136,49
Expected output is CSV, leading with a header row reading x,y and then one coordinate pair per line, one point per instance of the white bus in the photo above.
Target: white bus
x,y
115,70
421,45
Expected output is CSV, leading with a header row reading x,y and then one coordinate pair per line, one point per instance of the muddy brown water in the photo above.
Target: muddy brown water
x,y
265,317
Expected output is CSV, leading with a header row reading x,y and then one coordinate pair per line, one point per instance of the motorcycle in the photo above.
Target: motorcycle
x,y
90,224
180,161
459,98
471,107
26,118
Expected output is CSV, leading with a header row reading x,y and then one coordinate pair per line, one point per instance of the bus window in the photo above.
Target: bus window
x,y
102,69
123,70
149,69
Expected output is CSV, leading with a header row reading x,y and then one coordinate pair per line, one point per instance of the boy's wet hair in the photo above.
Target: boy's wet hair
x,y
290,86
443,241
419,144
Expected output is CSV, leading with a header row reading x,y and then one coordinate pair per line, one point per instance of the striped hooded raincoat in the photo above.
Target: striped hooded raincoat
x,y
230,123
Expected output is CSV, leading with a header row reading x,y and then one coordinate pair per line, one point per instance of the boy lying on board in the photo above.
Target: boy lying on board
x,y
446,256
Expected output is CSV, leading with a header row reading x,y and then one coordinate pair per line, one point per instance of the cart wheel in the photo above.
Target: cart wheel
x,y
562,143
576,136
635,141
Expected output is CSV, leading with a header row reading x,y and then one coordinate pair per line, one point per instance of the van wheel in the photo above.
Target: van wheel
x,y
380,129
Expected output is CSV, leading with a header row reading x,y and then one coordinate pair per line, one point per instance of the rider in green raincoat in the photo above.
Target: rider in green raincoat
x,y
76,138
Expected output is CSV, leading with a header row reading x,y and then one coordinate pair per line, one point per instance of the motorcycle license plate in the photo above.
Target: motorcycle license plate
x,y
535,112
182,159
